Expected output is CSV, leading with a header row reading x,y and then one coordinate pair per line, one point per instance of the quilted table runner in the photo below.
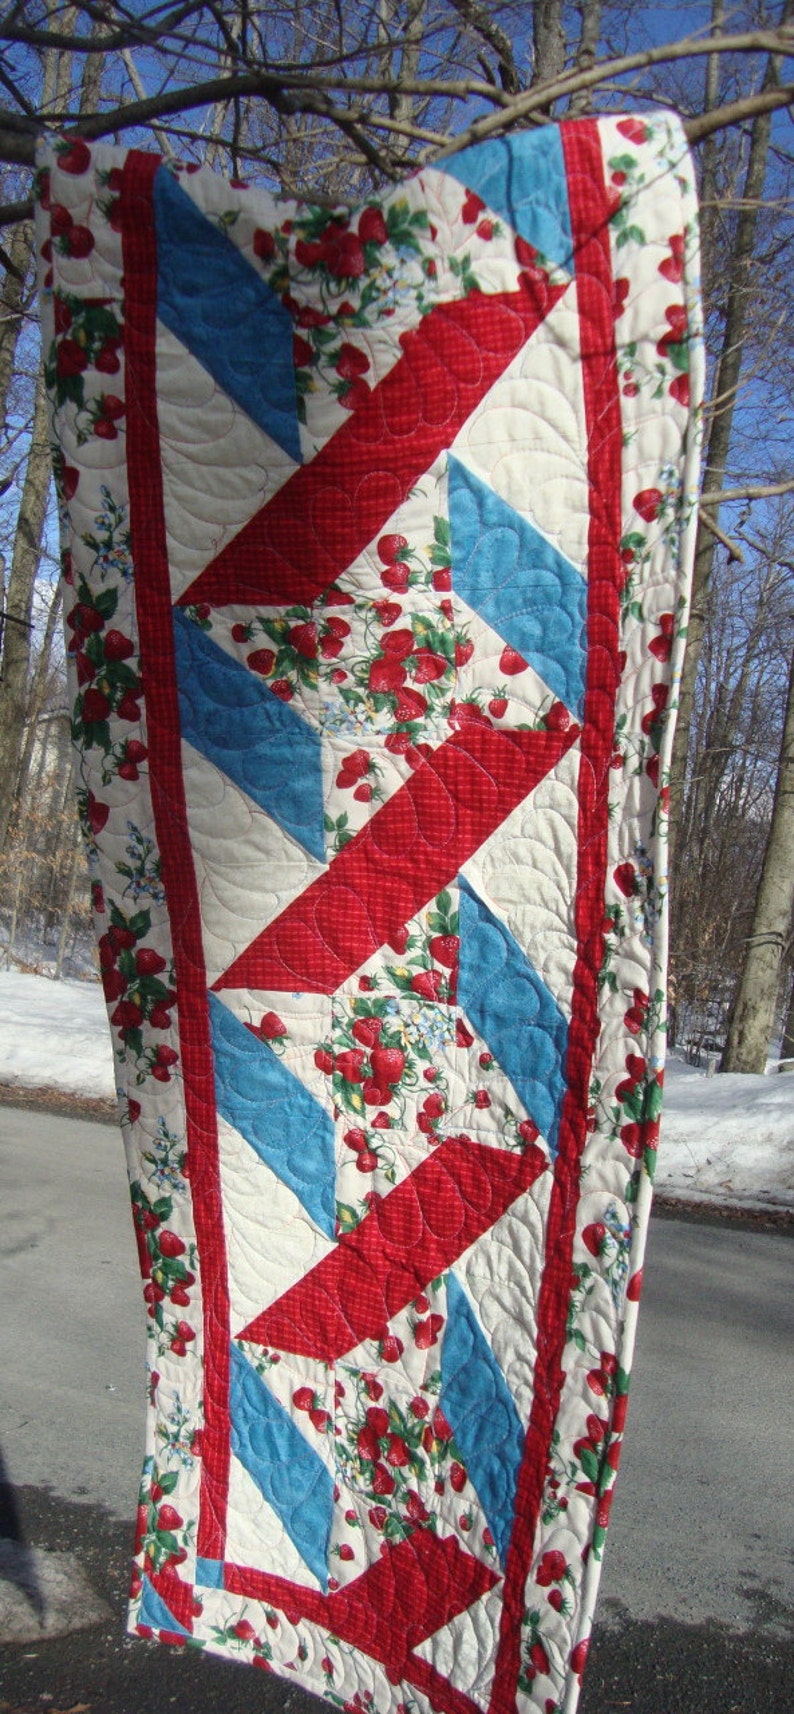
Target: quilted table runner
x,y
376,532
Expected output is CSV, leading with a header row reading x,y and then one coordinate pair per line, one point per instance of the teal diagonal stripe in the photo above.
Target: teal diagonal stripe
x,y
275,1112
522,178
480,1410
519,583
511,1008
229,318
250,734
287,1471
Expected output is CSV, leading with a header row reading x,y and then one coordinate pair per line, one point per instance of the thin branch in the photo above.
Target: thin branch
x,y
756,491
734,551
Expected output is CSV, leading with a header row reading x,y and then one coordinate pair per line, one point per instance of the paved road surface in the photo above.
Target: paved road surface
x,y
697,1603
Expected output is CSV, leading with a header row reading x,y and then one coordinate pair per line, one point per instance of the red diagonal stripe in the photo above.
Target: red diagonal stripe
x,y
427,1579
324,516
411,848
404,1242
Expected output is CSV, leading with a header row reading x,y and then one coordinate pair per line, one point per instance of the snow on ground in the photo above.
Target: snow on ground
x,y
724,1139
55,1035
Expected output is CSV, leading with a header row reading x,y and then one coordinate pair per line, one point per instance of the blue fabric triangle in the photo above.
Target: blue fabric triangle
x,y
510,1006
289,1474
229,318
522,178
519,583
276,1114
250,734
481,1412
153,1611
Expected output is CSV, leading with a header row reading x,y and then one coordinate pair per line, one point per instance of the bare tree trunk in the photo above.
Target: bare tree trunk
x,y
14,301
548,33
38,688
787,1044
70,888
587,48
753,1013
726,383
17,630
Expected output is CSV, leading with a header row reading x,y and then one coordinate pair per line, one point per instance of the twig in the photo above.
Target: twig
x,y
734,550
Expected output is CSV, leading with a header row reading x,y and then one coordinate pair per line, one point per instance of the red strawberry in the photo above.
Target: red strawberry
x,y
426,1332
381,1121
399,643
71,358
415,1509
386,675
427,983
411,705
79,242
350,1065
264,245
463,651
372,227
324,1060
356,764
434,1106
367,1030
397,1452
320,1420
76,158
396,578
648,503
398,941
429,667
303,1399
558,718
346,1551
271,1026
244,1630
282,688
107,359
96,814
442,578
148,962
390,548
552,1568
511,662
634,1290
111,406
679,390
168,1518
388,612
637,132
376,1095
96,706
498,707
302,351
388,1064
351,362
378,1420
472,208
170,1243
304,640
356,1140
382,1481
377,1517
624,876
367,1161
593,1237
444,948
528,1131
391,1350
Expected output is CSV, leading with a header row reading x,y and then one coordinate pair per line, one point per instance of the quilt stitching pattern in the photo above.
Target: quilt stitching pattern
x,y
386,967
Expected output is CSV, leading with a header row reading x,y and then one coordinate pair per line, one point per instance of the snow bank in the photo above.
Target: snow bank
x,y
55,1035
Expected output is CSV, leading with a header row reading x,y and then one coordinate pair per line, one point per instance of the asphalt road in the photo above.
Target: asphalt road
x,y
697,1597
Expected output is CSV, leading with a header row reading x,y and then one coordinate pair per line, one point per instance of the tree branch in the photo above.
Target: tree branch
x,y
756,491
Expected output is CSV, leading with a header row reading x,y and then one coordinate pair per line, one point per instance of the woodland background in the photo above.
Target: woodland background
x,y
327,102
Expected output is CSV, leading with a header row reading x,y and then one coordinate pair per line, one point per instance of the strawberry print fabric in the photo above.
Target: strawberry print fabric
x,y
376,538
